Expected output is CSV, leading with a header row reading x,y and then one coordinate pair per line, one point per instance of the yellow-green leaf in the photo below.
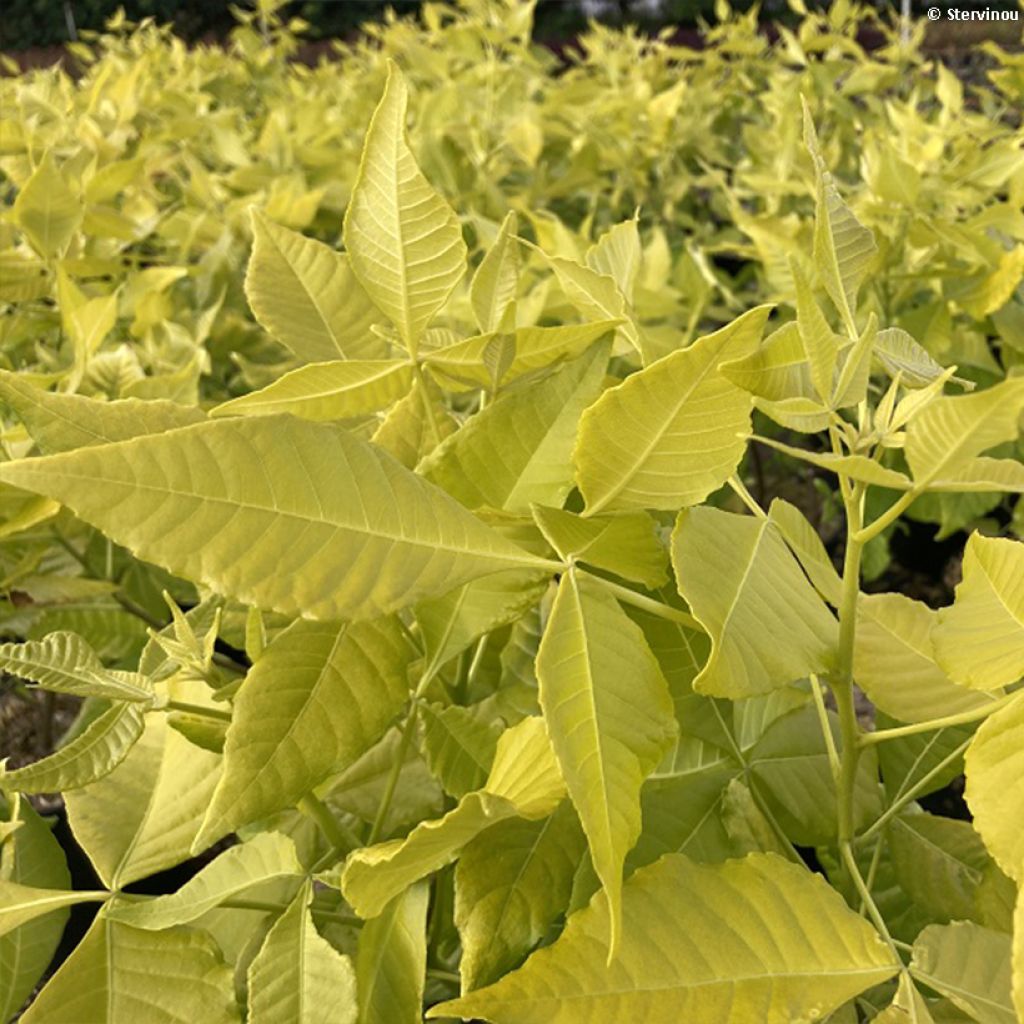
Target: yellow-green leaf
x,y
64,663
298,977
144,815
327,391
92,754
949,432
493,289
108,979
20,904
320,695
843,247
518,450
404,241
625,543
268,508
672,433
979,639
511,883
30,855
768,627
757,939
391,964
610,717
524,781
60,423
970,966
894,664
994,768
47,210
305,295
264,858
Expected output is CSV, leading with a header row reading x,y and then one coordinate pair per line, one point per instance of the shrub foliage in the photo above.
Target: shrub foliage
x,y
421,580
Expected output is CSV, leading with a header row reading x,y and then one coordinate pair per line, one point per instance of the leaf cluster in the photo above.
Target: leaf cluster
x,y
460,624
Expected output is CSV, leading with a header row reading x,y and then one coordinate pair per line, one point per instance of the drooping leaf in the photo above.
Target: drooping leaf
x,y
60,422
327,391
524,781
518,450
893,661
65,663
625,543
298,977
404,241
856,467
609,713
511,883
265,857
109,979
91,755
302,489
320,695
979,639
970,965
647,443
392,960
994,763
677,961
747,590
305,295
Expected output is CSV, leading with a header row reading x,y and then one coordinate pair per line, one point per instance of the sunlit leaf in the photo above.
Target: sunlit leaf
x,y
675,958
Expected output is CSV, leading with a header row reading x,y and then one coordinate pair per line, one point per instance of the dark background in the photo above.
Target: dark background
x,y
34,23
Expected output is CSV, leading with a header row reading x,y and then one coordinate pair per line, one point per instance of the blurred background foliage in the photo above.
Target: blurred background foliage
x,y
31,23
155,152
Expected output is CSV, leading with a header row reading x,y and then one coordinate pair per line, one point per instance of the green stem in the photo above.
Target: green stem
x,y
337,833
888,517
448,976
850,863
842,680
647,604
396,769
826,729
197,709
876,858
740,488
901,801
963,718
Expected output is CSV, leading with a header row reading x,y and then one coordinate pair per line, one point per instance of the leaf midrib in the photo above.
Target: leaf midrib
x,y
525,559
